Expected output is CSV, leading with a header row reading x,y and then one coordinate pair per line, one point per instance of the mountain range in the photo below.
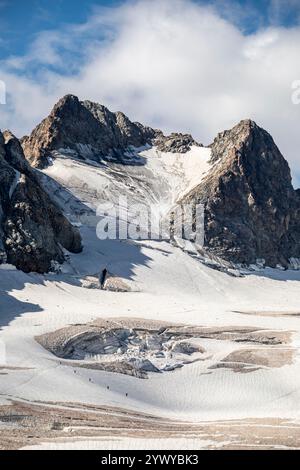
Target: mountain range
x,y
144,342
252,211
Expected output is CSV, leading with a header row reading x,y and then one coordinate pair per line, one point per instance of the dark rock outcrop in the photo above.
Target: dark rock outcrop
x,y
32,229
175,143
251,208
92,131
88,128
7,176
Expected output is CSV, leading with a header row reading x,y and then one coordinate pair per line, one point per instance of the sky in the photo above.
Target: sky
x,y
194,66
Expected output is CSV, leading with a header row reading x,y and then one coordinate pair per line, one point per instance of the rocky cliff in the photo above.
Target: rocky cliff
x,y
92,131
251,208
33,230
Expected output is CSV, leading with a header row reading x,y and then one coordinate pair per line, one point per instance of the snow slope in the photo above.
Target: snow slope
x,y
171,286
156,179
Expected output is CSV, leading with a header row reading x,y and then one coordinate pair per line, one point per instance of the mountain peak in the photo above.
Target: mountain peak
x,y
68,98
66,102
247,139
252,210
87,128
92,130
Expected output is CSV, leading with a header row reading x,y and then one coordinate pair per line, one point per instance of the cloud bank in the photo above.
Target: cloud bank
x,y
172,64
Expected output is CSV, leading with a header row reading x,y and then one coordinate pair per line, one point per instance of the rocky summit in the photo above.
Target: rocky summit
x,y
175,142
91,130
33,230
251,208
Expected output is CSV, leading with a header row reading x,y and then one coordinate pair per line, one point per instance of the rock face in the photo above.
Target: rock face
x,y
251,208
85,127
32,229
7,176
175,143
92,131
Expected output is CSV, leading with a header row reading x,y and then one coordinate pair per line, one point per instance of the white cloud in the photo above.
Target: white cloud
x,y
168,63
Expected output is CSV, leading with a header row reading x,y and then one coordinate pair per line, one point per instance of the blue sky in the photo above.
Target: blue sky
x,y
180,65
21,20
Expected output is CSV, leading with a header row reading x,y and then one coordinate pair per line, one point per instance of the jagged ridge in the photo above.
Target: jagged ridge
x,y
91,129
251,208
